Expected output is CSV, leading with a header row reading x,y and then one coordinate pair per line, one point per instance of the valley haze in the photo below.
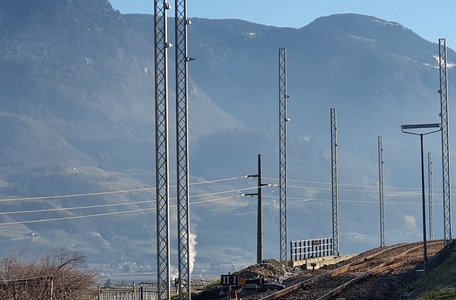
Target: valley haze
x,y
77,119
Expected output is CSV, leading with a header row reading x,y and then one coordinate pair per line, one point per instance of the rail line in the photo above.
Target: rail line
x,y
339,277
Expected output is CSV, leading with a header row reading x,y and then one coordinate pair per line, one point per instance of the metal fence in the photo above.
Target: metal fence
x,y
135,292
306,249
125,293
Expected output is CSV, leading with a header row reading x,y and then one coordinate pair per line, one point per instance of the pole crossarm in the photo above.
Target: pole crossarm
x,y
256,194
250,194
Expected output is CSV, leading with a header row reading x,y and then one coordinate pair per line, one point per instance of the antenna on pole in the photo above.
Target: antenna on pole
x,y
283,119
445,141
334,183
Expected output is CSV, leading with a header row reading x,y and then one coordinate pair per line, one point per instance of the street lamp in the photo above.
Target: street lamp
x,y
432,129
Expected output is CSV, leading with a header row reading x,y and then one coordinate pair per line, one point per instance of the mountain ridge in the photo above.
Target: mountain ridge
x,y
77,116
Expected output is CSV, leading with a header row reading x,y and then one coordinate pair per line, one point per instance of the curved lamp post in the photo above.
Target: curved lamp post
x,y
432,128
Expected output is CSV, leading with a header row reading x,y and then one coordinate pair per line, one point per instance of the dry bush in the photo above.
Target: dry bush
x,y
57,276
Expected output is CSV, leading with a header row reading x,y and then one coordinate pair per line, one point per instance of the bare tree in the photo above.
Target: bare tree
x,y
57,278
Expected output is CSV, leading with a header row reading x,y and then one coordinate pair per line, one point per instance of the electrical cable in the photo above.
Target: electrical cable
x,y
117,204
72,208
125,191
344,184
341,200
191,196
105,214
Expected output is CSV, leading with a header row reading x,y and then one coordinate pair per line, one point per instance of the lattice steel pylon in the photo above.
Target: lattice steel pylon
x,y
381,194
161,147
283,119
430,175
183,209
334,183
446,176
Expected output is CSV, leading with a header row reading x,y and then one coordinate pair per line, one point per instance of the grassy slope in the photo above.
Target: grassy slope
x,y
440,283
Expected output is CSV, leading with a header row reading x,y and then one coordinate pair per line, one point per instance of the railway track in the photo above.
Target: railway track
x,y
339,278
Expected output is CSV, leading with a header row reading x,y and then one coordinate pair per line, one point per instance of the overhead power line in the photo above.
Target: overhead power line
x,y
107,214
346,190
298,200
146,189
76,195
61,209
117,204
124,191
191,203
346,184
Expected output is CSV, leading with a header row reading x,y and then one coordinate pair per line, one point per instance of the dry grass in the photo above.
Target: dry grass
x,y
437,284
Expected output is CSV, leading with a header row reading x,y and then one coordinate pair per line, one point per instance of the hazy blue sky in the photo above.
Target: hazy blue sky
x,y
430,19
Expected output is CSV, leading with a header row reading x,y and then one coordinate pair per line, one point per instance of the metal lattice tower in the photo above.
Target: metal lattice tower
x,y
183,213
430,174
161,147
445,141
334,184
283,119
381,194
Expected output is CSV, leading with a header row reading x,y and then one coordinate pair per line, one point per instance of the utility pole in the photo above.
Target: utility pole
x,y
182,151
430,175
381,191
283,119
161,45
334,183
260,211
445,141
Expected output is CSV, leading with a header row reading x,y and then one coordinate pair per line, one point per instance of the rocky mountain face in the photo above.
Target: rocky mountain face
x,y
77,117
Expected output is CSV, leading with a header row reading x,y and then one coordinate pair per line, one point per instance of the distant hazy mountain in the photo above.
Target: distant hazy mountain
x,y
77,109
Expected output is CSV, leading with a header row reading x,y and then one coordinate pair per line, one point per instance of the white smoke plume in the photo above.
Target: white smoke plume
x,y
192,250
173,274
173,271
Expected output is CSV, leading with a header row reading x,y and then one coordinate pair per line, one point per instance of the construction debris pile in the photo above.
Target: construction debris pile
x,y
270,270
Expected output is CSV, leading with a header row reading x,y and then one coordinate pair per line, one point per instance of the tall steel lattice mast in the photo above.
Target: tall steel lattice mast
x,y
283,119
161,147
445,141
334,184
430,175
183,214
381,194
